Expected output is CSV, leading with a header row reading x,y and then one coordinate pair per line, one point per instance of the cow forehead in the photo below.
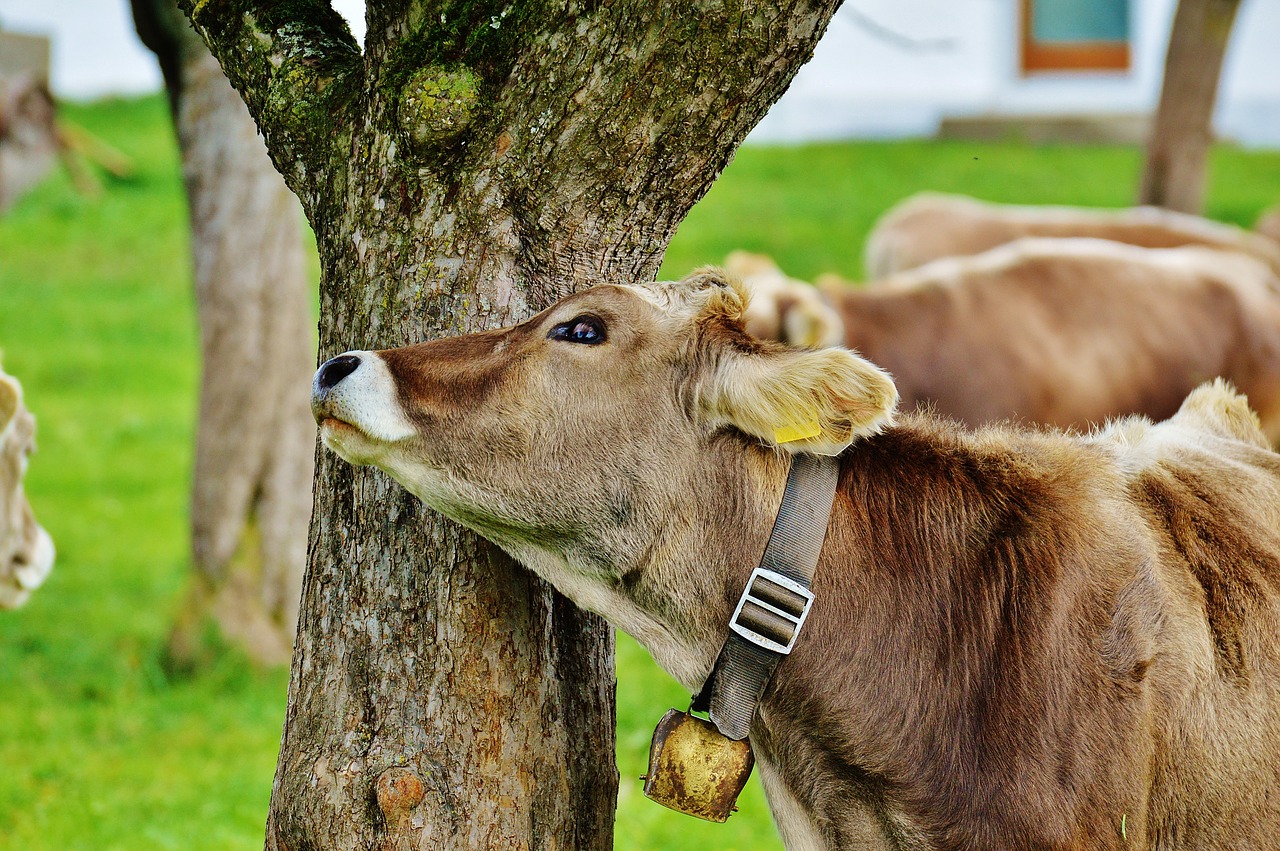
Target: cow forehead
x,y
625,298
667,303
621,297
471,366
682,299
662,306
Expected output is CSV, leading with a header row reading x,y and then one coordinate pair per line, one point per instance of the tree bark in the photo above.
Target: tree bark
x,y
1182,131
255,440
477,162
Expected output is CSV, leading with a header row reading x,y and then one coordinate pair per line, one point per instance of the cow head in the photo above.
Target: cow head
x,y
598,411
26,550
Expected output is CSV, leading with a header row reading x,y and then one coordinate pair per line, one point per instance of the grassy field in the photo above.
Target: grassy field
x,y
98,749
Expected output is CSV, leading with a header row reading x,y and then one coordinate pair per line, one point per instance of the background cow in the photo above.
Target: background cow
x,y
1268,224
1021,639
784,308
26,550
929,225
1062,332
29,137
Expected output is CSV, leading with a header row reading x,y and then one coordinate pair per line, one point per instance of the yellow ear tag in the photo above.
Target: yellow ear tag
x,y
792,433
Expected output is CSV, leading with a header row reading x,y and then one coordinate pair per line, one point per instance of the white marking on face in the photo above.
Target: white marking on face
x,y
366,399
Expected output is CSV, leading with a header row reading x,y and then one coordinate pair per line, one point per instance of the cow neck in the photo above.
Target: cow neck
x,y
776,600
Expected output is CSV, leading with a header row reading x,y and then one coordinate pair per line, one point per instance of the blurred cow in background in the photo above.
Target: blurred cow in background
x,y
1066,332
1268,224
26,550
929,226
29,138
783,308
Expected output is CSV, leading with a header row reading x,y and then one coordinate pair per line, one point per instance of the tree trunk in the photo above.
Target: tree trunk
x,y
1183,128
255,441
477,162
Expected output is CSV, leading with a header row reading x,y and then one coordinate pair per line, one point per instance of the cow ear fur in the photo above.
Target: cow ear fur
x,y
10,396
817,402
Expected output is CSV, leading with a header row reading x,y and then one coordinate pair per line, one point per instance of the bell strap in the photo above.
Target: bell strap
x,y
776,600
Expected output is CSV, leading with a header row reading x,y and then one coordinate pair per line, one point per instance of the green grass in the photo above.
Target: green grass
x,y
812,206
98,750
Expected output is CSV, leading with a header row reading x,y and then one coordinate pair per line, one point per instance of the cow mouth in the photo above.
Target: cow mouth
x,y
348,441
334,429
327,419
335,423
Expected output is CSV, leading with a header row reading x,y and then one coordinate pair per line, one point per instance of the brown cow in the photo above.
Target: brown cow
x,y
26,550
928,226
1064,332
1021,639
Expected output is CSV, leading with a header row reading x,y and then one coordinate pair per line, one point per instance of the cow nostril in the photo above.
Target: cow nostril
x,y
334,370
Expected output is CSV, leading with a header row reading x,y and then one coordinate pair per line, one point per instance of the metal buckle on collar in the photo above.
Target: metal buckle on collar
x,y
771,611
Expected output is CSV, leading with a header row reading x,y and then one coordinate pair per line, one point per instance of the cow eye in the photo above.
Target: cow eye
x,y
582,329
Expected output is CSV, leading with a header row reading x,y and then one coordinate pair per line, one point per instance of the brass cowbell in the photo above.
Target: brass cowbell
x,y
694,768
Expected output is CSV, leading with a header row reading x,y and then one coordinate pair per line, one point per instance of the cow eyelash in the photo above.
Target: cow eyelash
x,y
585,330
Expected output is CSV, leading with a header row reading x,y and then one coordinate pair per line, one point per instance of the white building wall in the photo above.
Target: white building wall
x,y
860,83
932,59
959,58
1126,92
1249,99
96,51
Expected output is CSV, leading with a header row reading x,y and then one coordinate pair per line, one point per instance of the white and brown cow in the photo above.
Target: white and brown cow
x,y
26,550
931,225
1021,639
1065,332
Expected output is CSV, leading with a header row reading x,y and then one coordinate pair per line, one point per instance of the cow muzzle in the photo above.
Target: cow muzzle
x,y
357,391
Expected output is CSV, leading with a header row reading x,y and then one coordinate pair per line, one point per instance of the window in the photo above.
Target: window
x,y
1075,35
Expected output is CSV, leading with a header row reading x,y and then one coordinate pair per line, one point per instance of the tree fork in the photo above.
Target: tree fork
x,y
477,162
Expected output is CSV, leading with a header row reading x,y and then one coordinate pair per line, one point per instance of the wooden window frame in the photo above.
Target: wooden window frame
x,y
1041,56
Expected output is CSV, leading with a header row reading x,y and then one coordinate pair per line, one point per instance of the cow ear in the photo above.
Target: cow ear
x,y
817,402
10,397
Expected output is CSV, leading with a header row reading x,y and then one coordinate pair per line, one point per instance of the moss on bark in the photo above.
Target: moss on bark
x,y
436,104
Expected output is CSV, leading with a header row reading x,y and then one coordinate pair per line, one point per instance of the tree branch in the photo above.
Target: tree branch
x,y
605,107
294,62
872,27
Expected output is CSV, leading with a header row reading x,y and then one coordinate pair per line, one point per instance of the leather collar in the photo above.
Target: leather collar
x,y
776,601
